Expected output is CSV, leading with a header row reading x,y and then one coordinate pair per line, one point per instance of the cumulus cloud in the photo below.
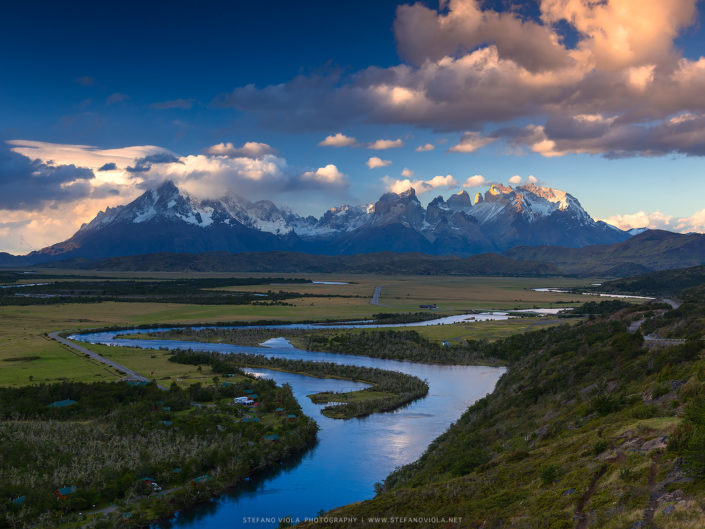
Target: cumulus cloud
x,y
23,231
380,145
376,161
406,172
182,104
329,175
642,219
264,177
595,134
474,181
624,33
469,66
657,220
424,34
425,148
516,179
250,149
48,190
694,223
420,186
338,140
470,142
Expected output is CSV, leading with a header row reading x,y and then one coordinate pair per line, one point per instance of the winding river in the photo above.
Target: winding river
x,y
351,455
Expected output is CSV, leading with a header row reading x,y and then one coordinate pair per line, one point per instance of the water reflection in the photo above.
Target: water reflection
x,y
351,455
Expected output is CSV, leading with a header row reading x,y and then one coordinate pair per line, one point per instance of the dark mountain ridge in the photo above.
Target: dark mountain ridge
x,y
649,251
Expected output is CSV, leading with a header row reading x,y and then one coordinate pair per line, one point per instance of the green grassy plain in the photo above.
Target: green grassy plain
x,y
448,292
23,328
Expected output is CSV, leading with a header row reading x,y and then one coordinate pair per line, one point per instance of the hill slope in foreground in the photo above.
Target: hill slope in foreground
x,y
592,426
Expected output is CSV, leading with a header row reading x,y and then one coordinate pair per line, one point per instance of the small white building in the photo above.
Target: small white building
x,y
247,401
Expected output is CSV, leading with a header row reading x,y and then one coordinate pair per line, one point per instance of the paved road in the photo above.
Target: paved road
x,y
375,296
664,341
131,375
635,325
655,340
674,303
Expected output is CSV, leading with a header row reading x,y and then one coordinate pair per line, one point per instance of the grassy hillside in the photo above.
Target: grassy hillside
x,y
590,427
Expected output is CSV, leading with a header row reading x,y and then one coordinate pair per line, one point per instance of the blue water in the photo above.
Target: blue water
x,y
350,456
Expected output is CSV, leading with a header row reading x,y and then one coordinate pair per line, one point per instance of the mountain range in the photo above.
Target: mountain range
x,y
166,219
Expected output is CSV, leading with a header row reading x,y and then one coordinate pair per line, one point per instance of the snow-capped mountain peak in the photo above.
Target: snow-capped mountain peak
x,y
501,218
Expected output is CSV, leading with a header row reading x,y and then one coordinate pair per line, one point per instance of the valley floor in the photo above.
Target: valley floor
x,y
561,434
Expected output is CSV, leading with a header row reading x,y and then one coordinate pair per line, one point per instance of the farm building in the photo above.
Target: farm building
x,y
19,500
152,483
65,491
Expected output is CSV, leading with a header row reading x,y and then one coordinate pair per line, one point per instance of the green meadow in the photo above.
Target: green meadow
x,y
28,356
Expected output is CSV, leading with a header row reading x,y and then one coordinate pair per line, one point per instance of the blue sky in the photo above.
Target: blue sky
x,y
605,102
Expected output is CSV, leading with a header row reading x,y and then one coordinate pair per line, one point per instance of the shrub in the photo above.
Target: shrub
x,y
680,438
644,411
600,446
549,473
605,404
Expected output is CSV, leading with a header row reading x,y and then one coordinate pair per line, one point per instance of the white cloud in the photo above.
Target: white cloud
x,y
375,162
216,176
420,186
250,149
623,33
338,140
90,157
327,176
50,214
471,66
23,231
659,221
474,181
516,179
470,142
531,179
407,173
641,219
425,148
696,223
381,145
